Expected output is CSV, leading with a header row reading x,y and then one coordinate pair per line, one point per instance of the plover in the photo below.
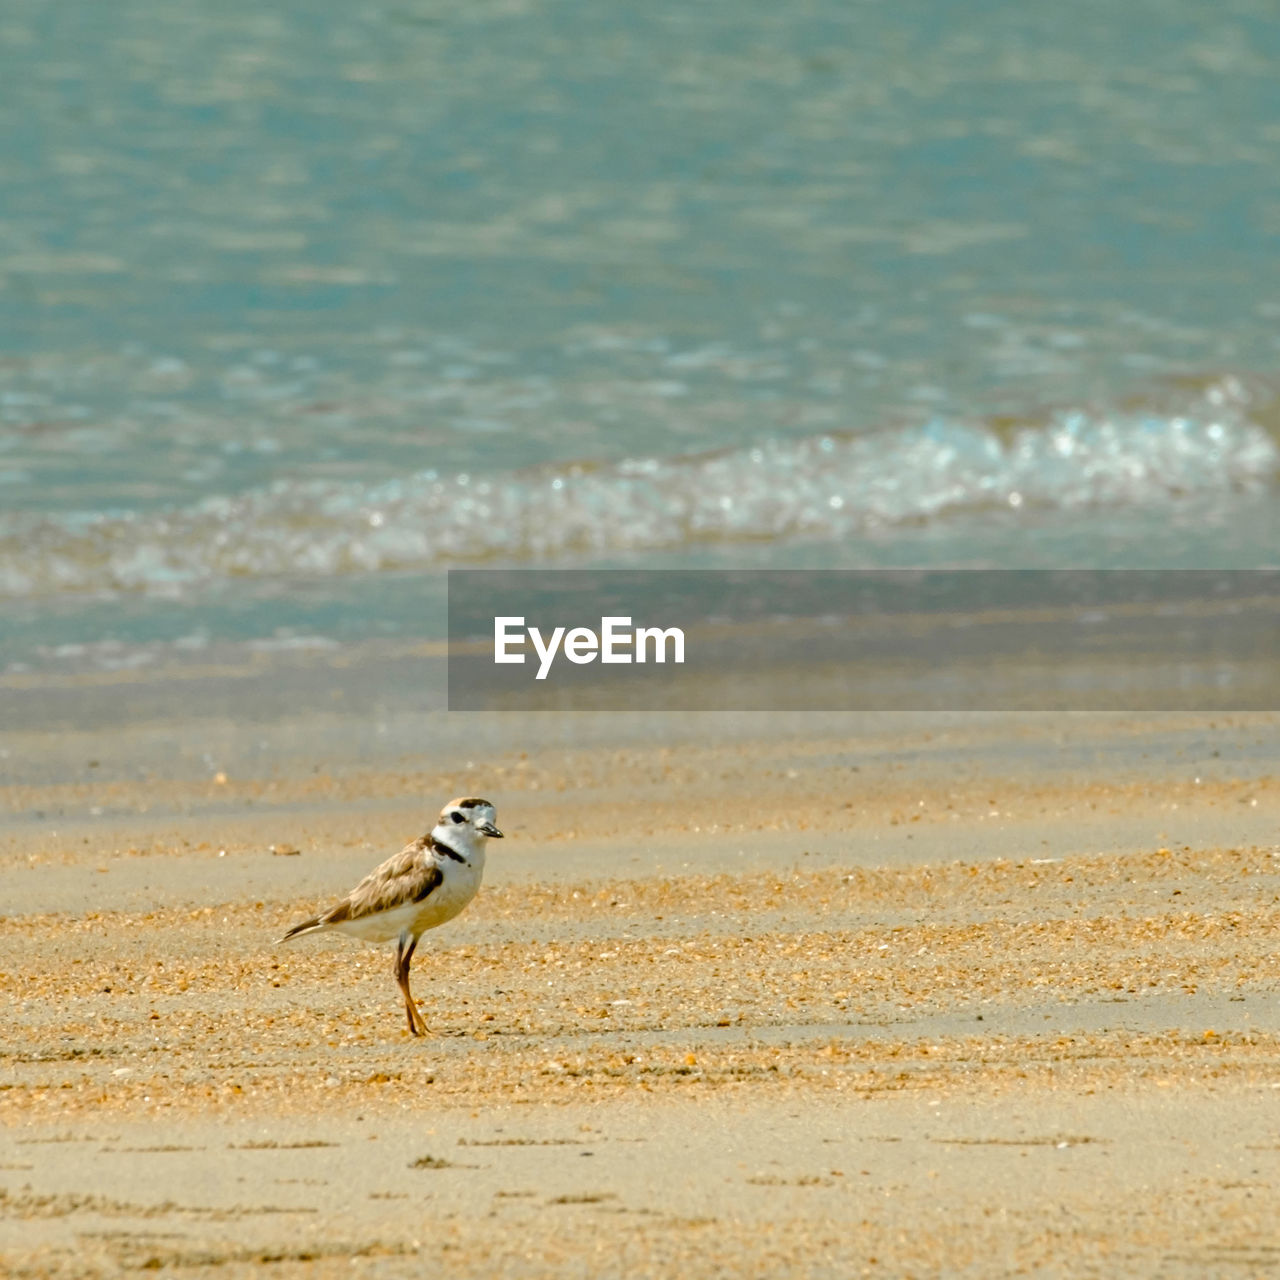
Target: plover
x,y
428,882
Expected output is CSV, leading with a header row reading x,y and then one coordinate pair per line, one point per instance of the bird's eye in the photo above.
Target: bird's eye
x,y
455,816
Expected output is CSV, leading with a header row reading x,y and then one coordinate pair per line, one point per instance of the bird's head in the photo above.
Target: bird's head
x,y
469,819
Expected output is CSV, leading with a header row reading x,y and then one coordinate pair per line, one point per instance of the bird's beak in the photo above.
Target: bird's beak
x,y
488,829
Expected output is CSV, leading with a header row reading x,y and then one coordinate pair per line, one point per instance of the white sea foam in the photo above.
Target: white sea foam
x,y
820,487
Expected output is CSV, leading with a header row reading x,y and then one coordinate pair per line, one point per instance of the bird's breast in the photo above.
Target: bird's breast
x,y
459,887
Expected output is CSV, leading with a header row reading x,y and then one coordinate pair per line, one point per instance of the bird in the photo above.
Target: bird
x,y
427,883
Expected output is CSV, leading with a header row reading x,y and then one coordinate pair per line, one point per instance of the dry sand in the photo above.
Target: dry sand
x,y
989,997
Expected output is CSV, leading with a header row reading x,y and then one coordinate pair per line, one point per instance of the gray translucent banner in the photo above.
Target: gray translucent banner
x,y
835,640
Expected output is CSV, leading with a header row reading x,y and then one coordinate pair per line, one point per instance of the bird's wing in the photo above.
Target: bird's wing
x,y
408,876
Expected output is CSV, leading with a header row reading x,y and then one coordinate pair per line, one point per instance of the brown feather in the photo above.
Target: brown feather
x,y
305,927
409,876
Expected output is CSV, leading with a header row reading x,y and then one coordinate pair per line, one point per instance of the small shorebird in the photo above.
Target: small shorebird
x,y
428,882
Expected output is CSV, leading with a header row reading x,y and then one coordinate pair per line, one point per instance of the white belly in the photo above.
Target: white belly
x,y
460,886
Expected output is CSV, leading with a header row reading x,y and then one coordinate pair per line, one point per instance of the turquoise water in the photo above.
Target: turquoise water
x,y
300,303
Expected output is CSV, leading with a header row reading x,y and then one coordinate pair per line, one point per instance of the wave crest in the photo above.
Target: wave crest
x,y
823,487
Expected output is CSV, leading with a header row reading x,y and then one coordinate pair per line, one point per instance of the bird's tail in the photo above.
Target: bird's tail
x,y
307,926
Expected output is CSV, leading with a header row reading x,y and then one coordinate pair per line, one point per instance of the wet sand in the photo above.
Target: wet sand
x,y
982,996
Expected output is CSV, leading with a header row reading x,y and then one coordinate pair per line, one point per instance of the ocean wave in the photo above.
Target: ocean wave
x,y
820,487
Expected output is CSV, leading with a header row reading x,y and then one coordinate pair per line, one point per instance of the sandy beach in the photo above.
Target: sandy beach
x,y
951,995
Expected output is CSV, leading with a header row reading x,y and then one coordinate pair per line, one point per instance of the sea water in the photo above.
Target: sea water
x,y
302,304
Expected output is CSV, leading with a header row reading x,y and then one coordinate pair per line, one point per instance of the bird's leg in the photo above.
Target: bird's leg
x,y
404,953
